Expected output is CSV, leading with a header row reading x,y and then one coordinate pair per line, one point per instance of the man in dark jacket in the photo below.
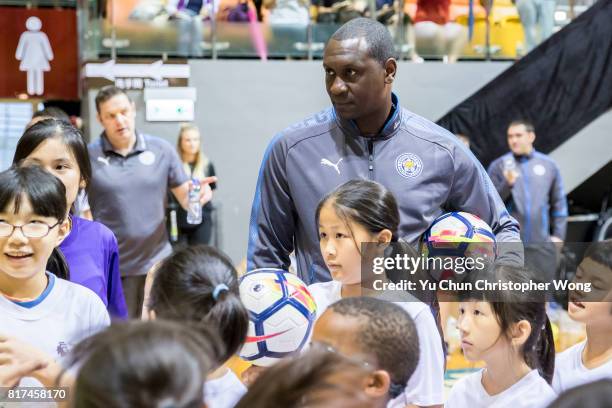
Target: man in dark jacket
x,y
530,184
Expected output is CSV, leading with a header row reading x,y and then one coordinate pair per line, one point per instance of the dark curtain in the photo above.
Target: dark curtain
x,y
561,86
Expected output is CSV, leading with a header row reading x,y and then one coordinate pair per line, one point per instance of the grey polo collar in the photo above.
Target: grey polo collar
x,y
139,147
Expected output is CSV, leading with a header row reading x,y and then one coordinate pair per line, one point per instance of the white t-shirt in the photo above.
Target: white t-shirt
x,y
571,372
531,391
224,392
63,314
426,385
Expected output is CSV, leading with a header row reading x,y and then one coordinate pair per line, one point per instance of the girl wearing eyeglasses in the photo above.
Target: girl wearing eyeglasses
x,y
90,247
37,307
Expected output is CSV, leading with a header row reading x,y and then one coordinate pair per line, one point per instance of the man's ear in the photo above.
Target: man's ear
x,y
390,70
378,384
532,137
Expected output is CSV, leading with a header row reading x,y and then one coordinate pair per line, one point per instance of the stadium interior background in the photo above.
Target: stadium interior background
x,y
241,82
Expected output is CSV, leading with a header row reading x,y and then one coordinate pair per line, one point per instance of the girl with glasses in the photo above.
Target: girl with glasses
x,y
90,248
36,307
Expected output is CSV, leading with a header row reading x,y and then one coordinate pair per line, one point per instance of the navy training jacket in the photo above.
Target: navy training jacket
x,y
536,199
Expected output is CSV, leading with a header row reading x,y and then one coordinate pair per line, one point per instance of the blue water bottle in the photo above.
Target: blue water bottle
x,y
194,213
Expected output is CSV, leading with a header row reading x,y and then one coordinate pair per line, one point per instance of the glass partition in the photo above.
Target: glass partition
x,y
150,28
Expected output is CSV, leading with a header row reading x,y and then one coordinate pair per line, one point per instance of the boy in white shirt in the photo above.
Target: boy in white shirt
x,y
370,327
426,386
591,359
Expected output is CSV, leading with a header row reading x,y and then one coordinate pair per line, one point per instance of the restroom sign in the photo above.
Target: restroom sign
x,y
38,53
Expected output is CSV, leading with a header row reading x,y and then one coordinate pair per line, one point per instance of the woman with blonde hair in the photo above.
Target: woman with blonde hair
x,y
198,166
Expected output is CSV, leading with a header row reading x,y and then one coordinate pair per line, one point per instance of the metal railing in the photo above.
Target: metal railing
x,y
108,30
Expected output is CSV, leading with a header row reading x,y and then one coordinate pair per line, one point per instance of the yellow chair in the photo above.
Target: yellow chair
x,y
506,34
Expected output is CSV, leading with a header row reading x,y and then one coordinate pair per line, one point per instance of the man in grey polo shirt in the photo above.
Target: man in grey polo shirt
x,y
132,173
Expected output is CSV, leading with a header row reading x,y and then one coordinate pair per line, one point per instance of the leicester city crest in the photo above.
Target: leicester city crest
x,y
409,165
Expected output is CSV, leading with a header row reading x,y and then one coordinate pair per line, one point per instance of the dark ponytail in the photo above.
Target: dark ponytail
x,y
539,349
546,352
512,306
198,284
231,317
57,264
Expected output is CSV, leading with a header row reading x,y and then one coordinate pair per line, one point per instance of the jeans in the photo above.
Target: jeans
x,y
190,29
534,14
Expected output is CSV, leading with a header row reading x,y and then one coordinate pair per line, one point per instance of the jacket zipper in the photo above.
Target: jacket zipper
x,y
371,159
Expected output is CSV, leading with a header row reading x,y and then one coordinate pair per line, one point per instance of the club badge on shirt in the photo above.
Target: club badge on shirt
x,y
409,165
147,157
539,170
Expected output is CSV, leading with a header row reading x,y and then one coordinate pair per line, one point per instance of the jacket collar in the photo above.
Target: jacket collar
x,y
350,128
524,157
139,147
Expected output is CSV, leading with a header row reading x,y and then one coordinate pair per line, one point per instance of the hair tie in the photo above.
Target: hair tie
x,y
395,389
218,289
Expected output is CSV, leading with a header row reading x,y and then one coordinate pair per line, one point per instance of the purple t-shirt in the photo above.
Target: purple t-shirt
x,y
93,258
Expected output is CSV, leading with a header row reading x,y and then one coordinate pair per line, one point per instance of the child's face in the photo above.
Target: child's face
x,y
57,158
338,332
22,258
590,312
480,331
340,245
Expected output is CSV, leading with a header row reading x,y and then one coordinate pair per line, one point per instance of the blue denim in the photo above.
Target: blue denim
x,y
536,14
190,30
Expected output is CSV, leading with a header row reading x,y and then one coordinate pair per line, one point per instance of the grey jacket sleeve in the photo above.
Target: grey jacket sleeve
x,y
272,223
496,174
473,191
558,207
